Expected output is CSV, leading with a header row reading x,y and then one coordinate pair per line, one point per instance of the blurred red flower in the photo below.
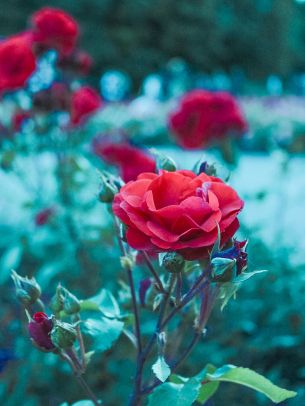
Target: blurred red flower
x,y
84,102
19,118
177,211
203,116
53,28
17,62
131,160
43,216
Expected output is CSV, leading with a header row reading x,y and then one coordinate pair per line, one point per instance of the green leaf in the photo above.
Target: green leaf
x,y
247,275
157,301
103,332
169,394
207,391
161,369
228,289
105,302
251,379
9,260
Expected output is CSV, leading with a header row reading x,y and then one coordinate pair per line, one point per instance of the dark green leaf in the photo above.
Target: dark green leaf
x,y
251,379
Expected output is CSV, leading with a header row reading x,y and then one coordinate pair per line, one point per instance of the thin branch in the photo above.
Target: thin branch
x,y
153,272
80,379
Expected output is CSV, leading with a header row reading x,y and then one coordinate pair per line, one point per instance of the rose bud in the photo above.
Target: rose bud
x,y
236,253
108,188
39,329
27,289
222,269
63,334
207,169
164,162
173,262
64,300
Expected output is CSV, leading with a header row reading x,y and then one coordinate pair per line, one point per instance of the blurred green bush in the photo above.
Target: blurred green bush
x,y
140,36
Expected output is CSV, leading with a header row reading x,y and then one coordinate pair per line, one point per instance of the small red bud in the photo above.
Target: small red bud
x,y
39,329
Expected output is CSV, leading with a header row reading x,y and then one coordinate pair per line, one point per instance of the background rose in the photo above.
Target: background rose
x,y
84,102
17,62
131,160
177,211
53,28
203,116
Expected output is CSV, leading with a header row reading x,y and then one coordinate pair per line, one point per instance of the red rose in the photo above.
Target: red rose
x,y
131,160
17,62
203,116
177,211
84,102
53,28
39,329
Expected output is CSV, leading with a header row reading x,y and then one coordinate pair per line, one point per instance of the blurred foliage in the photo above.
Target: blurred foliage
x,y
140,36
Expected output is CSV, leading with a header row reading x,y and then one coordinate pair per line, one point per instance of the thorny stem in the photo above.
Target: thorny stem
x,y
178,288
199,284
135,399
77,373
206,307
153,272
132,289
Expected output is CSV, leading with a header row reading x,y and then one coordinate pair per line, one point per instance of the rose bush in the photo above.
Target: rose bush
x,y
177,211
203,116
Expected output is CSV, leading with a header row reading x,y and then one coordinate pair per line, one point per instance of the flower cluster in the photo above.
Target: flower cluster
x,y
50,29
203,116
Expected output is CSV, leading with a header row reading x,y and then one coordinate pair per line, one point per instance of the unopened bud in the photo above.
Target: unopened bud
x,y
127,262
222,269
64,300
63,334
164,162
27,289
173,262
207,169
108,188
40,327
